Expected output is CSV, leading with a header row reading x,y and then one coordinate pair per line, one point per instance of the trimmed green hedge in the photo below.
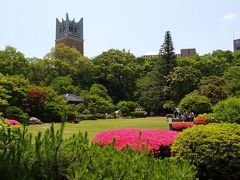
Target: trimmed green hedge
x,y
138,114
214,149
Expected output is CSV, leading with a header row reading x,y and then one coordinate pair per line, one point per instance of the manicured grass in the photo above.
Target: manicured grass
x,y
95,126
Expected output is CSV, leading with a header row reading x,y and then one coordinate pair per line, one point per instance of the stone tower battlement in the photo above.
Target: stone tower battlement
x,y
70,33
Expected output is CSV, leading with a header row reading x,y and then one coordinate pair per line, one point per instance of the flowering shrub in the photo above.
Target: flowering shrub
x,y
182,125
35,101
154,140
8,133
200,120
13,122
212,148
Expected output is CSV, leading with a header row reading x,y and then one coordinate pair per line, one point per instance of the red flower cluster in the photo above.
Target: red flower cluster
x,y
200,120
182,125
13,122
136,138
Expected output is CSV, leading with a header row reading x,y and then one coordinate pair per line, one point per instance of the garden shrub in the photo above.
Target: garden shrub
x,y
200,120
210,117
41,158
213,149
108,163
12,122
52,112
126,107
228,110
35,101
138,114
7,133
13,112
125,110
71,116
153,140
194,102
180,126
100,116
86,117
48,156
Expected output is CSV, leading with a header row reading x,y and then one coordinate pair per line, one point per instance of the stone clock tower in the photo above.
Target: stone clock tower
x,y
70,33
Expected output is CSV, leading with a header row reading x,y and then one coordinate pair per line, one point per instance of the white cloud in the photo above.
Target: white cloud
x,y
229,17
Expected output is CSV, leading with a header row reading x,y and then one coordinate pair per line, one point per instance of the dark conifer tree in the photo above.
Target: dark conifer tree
x,y
167,54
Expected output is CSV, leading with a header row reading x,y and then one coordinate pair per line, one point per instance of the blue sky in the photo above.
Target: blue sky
x,y
138,25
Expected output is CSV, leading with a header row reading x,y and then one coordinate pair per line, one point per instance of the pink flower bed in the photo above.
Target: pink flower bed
x,y
135,137
182,125
13,122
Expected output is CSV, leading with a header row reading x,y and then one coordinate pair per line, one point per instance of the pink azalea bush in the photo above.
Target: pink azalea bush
x,y
182,125
13,122
137,139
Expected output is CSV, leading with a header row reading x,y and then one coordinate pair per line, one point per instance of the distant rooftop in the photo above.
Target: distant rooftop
x,y
73,98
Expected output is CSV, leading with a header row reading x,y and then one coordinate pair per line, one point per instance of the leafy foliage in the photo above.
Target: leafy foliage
x,y
96,104
52,112
232,75
13,112
182,80
228,110
13,62
101,91
126,107
13,89
35,101
63,85
167,53
214,88
117,71
138,114
194,102
51,157
213,149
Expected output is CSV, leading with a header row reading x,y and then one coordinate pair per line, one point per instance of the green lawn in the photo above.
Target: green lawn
x,y
95,126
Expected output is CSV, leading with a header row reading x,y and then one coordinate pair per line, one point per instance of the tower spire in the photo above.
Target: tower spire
x,y
70,33
67,18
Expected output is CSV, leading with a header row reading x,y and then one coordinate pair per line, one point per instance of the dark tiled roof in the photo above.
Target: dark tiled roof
x,y
73,98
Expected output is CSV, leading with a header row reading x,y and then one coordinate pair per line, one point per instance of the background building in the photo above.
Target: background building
x,y
181,53
236,45
187,52
70,33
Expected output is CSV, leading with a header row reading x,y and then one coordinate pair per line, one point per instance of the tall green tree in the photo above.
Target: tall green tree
x,y
63,85
194,102
153,91
167,53
181,81
101,91
213,87
13,62
63,61
232,76
13,89
210,65
118,72
63,52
